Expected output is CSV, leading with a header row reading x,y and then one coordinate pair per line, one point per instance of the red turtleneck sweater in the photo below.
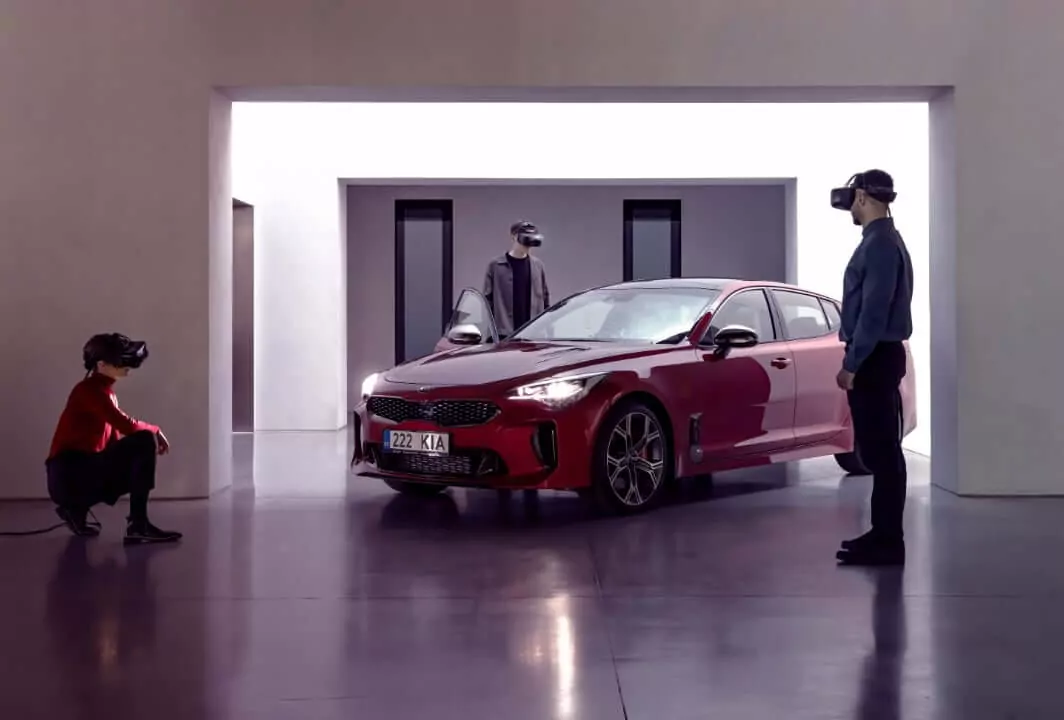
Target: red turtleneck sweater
x,y
91,419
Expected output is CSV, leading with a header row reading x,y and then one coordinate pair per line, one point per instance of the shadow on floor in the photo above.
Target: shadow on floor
x,y
489,510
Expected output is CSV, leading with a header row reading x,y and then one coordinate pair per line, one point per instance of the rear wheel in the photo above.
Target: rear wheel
x,y
415,488
853,464
632,461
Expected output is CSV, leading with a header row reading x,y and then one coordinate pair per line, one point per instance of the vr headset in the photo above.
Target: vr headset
x,y
114,349
874,182
527,234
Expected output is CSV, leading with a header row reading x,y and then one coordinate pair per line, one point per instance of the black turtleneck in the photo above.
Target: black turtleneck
x,y
522,300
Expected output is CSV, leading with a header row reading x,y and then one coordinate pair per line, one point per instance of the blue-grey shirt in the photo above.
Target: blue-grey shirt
x,y
877,293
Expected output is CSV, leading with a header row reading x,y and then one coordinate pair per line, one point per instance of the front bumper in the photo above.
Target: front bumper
x,y
524,446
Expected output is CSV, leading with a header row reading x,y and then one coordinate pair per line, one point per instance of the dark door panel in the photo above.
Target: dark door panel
x,y
652,239
424,257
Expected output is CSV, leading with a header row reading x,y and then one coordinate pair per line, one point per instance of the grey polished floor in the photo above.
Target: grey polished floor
x,y
306,595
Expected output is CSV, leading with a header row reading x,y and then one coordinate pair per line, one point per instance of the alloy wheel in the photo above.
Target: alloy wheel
x,y
635,458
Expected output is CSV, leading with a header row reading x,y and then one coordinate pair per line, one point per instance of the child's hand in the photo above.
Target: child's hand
x,y
162,443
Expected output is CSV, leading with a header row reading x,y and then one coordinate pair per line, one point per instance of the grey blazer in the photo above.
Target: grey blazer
x,y
499,291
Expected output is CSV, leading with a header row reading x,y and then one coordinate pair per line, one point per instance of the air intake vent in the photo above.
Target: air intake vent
x,y
545,444
446,413
465,464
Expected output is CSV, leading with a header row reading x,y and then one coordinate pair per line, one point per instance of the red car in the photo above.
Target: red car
x,y
615,391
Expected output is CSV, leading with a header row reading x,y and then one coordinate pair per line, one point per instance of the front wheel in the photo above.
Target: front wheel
x,y
632,461
415,488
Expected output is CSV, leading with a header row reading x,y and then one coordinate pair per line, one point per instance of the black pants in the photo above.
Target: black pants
x,y
875,405
79,480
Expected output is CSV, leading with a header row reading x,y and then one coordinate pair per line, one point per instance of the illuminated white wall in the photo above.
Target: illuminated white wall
x,y
300,282
288,159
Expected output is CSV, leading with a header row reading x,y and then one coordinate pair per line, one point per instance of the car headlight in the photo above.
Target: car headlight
x,y
558,391
369,385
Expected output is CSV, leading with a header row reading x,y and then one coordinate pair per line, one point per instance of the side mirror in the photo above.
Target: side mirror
x,y
735,336
465,335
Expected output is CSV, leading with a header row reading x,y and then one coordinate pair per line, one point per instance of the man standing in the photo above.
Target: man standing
x,y
515,284
876,320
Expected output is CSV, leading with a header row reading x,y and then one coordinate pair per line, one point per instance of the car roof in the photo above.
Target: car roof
x,y
672,283
718,284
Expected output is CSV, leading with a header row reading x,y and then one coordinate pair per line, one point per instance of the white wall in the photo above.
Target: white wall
x,y
300,281
298,151
728,231
220,297
105,187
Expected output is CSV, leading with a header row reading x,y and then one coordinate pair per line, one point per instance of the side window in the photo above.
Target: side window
x,y
803,317
749,308
472,309
832,310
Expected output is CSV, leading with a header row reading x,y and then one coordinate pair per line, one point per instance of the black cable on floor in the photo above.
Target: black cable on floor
x,y
95,523
24,533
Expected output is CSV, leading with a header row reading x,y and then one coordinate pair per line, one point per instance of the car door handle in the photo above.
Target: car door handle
x,y
781,362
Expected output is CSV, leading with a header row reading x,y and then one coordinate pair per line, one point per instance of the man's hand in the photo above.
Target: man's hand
x,y
162,443
844,380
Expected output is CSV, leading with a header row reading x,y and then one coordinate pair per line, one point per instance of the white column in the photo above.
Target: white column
x,y
300,272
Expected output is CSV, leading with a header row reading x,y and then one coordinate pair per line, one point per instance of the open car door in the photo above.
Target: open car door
x,y
471,323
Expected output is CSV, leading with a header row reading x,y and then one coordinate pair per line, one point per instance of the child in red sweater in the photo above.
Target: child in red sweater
x,y
98,452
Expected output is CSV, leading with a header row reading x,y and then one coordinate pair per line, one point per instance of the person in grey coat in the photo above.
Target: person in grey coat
x,y
515,283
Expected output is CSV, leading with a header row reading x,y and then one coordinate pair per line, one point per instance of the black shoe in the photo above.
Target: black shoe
x,y
139,533
77,520
866,539
873,555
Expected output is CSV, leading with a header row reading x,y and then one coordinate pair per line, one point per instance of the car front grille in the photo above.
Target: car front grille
x,y
464,463
445,413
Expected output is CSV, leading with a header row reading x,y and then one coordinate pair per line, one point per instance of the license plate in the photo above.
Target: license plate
x,y
432,443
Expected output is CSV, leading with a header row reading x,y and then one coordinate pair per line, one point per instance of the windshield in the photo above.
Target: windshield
x,y
639,315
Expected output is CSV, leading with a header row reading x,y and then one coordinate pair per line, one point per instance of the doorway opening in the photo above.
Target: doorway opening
x,y
243,317
327,287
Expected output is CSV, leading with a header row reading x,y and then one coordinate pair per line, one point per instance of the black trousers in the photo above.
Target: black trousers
x,y
875,406
80,480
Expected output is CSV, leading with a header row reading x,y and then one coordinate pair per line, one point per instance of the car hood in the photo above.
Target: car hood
x,y
485,364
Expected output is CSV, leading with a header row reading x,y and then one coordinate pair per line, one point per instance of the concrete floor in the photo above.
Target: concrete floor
x,y
304,595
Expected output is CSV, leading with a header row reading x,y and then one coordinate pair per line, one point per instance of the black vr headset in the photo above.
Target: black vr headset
x,y
114,349
876,183
527,234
